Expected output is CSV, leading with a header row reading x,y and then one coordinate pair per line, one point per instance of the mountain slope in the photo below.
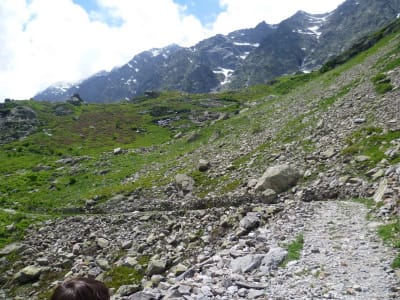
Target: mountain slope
x,y
242,58
168,197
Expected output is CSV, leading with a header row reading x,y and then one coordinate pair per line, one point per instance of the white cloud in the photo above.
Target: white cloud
x,y
46,41
240,14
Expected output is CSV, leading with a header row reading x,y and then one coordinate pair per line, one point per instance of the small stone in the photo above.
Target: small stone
x,y
43,261
103,263
269,196
131,261
362,158
328,153
254,294
117,151
204,165
250,222
76,249
126,290
357,288
102,243
179,269
359,120
315,250
156,267
252,183
380,173
156,279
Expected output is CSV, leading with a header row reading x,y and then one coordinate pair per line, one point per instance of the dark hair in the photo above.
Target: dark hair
x,y
81,289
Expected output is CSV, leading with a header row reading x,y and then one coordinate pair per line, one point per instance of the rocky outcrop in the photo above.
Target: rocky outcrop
x,y
16,123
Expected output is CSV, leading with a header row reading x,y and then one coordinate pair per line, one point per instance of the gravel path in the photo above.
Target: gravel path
x,y
342,258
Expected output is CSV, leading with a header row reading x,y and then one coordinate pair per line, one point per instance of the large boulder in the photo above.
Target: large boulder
x,y
28,274
278,178
184,183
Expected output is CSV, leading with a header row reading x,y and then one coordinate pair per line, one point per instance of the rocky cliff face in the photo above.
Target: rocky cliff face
x,y
241,58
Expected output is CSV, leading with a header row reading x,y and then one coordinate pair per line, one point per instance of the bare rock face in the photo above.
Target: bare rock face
x,y
16,123
278,178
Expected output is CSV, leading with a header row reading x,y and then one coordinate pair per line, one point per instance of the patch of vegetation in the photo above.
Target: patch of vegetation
x,y
285,84
291,130
368,202
13,225
372,142
390,233
294,250
205,184
325,103
230,186
122,275
382,83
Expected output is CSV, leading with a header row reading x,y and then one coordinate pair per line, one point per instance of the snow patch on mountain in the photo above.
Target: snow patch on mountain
x,y
227,73
246,44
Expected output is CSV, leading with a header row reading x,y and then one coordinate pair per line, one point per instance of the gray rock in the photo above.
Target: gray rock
x,y
103,263
102,243
43,261
184,183
278,178
204,165
272,259
76,249
250,222
268,196
359,120
126,290
145,295
246,263
252,183
254,294
14,247
179,269
117,151
28,274
329,153
380,192
362,158
156,267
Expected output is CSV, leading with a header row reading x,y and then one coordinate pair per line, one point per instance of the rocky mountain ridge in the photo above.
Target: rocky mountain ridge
x,y
242,58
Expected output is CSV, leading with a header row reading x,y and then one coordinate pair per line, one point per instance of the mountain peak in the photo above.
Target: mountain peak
x,y
243,57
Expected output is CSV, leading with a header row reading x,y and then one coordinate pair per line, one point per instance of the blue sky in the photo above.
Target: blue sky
x,y
205,10
48,41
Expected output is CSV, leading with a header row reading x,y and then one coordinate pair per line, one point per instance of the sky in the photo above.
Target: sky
x,y
43,42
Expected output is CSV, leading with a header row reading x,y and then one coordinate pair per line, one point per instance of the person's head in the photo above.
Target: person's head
x,y
81,289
